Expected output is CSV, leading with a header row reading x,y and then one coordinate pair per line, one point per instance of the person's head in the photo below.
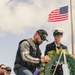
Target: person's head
x,y
8,70
2,69
40,36
58,34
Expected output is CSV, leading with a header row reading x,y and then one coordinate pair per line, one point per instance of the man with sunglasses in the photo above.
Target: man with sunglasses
x,y
28,55
8,70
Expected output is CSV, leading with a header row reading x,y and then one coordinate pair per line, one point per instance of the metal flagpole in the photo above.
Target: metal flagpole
x,y
72,35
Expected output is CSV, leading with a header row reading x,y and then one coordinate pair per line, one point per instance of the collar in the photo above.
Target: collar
x,y
57,45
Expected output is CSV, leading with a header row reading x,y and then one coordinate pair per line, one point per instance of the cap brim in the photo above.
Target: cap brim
x,y
58,35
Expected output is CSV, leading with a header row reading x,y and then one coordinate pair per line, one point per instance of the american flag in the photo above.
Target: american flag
x,y
58,14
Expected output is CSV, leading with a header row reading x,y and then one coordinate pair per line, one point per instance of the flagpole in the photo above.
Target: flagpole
x,y
72,27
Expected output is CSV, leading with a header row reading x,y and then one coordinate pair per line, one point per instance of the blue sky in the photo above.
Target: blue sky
x,y
19,19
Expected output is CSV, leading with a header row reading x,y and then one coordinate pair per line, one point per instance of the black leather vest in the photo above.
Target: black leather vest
x,y
34,52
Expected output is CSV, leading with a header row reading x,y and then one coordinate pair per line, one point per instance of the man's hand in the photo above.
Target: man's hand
x,y
45,59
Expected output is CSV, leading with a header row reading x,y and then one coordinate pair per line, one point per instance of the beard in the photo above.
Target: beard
x,y
37,42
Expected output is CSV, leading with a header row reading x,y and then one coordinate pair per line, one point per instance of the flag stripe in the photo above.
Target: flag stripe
x,y
55,16
55,20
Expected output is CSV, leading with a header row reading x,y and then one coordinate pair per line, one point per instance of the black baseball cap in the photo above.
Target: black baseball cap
x,y
57,32
43,34
8,68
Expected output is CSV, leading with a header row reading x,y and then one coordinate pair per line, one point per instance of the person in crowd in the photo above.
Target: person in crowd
x,y
28,56
8,70
2,69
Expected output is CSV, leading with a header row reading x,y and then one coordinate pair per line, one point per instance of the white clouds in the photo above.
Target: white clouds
x,y
19,16
16,16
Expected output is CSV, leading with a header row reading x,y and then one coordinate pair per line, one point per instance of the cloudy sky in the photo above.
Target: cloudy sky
x,y
19,19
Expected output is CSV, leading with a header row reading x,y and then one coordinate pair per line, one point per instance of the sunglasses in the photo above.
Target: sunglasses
x,y
3,68
8,70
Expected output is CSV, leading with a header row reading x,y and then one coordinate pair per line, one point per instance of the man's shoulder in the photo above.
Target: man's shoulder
x,y
25,40
63,46
51,44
